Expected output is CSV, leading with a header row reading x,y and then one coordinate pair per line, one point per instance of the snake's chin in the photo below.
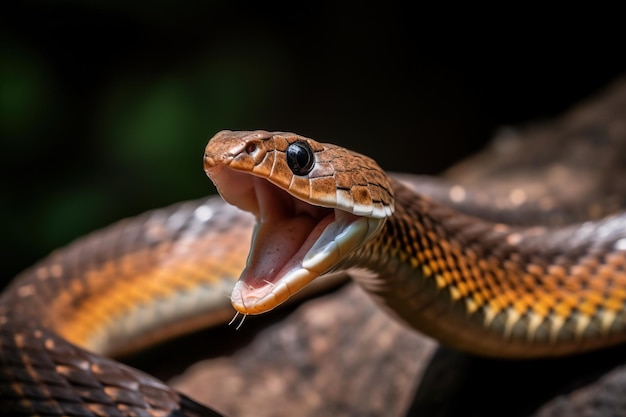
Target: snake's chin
x,y
293,243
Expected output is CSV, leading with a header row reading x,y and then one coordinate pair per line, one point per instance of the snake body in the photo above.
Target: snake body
x,y
475,284
128,286
479,286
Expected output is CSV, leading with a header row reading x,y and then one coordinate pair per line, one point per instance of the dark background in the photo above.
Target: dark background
x,y
105,107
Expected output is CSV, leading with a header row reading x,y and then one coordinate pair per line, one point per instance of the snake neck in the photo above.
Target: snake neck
x,y
496,290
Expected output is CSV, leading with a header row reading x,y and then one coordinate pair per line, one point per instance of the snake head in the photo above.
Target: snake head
x,y
314,204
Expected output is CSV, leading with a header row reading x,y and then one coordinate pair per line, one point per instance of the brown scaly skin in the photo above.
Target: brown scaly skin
x,y
496,290
107,292
479,286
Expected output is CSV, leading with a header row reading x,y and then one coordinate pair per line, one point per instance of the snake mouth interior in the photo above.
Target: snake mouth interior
x,y
293,242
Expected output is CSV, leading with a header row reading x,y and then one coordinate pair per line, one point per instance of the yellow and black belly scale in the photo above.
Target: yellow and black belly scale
x,y
509,291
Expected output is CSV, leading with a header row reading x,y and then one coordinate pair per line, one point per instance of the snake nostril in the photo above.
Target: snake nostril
x,y
209,162
251,147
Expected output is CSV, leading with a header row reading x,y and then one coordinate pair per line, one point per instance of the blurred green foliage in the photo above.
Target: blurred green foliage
x,y
23,92
93,135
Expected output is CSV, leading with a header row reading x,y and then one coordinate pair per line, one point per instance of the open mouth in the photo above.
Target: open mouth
x,y
293,242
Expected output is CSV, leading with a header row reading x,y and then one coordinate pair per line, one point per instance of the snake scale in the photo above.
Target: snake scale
x,y
477,285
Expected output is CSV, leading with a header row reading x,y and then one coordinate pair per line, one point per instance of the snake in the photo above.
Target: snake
x,y
291,212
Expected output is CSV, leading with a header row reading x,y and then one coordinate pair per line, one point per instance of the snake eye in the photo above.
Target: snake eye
x,y
300,157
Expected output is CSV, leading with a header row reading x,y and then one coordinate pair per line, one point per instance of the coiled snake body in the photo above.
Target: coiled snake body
x,y
476,285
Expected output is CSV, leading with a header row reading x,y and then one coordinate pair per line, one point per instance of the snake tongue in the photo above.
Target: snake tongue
x,y
293,243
